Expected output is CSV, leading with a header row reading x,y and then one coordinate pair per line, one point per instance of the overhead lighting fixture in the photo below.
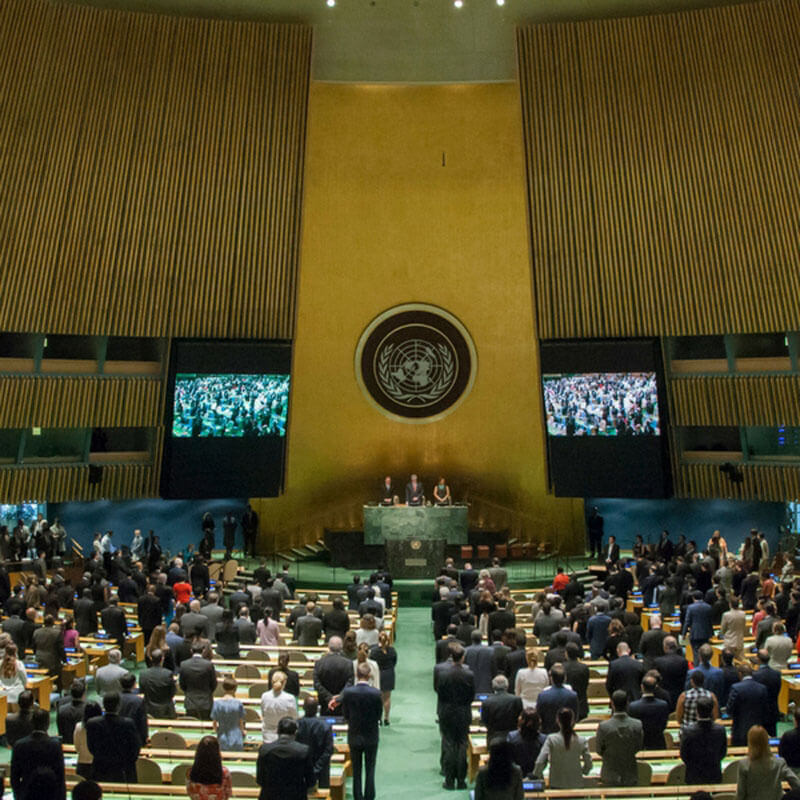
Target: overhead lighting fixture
x,y
458,3
501,2
331,3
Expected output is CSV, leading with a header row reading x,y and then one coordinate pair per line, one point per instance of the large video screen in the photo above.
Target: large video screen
x,y
604,412
227,417
601,404
230,405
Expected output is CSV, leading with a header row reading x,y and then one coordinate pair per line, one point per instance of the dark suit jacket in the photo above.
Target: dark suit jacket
x,y
673,669
30,753
515,662
284,770
455,690
468,580
625,673
69,713
441,612
113,619
612,555
308,630
157,684
332,673
771,680
499,713
618,740
149,612
132,706
18,726
747,706
114,745
698,619
362,707
703,746
414,498
198,679
335,623
318,735
653,714
578,678
502,619
651,646
550,702
478,658
15,627
48,644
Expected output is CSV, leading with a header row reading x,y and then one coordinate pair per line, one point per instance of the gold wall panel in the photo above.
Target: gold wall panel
x,y
660,155
736,400
70,402
59,483
152,172
414,194
764,482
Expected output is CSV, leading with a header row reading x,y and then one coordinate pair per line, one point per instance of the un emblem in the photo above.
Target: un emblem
x,y
415,362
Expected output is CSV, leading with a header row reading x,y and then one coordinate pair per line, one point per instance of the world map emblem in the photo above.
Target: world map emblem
x,y
415,362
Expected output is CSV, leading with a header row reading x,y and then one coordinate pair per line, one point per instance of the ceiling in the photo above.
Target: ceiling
x,y
409,41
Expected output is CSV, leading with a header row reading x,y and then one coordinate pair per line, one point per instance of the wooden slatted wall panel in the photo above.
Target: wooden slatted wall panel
x,y
67,402
663,171
152,172
59,483
768,483
735,400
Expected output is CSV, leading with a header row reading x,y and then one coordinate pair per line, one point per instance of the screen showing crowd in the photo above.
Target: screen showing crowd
x,y
601,404
230,405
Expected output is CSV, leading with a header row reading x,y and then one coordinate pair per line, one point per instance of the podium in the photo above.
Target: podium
x,y
414,558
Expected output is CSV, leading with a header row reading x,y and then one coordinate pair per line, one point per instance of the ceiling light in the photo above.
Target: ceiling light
x,y
458,3
331,3
501,2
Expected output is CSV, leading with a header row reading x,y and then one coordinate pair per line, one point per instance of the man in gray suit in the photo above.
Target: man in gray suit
x,y
247,631
478,657
212,611
106,679
193,620
618,741
198,679
308,628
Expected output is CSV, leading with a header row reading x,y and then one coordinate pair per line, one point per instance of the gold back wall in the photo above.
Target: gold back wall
x,y
152,172
415,194
662,158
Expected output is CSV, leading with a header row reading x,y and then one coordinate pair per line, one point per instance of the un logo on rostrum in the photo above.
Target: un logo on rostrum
x,y
415,362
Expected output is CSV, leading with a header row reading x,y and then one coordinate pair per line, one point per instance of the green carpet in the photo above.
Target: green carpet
x,y
408,756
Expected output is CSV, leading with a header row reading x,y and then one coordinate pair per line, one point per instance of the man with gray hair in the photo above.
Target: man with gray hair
x,y
194,619
332,674
107,678
500,710
212,610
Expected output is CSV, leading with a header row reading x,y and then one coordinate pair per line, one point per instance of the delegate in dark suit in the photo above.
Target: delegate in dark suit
x,y
654,715
415,494
578,678
332,673
114,624
550,702
31,753
157,684
362,707
747,705
703,746
284,770
618,741
770,679
198,679
700,624
499,713
318,735
455,691
478,657
114,745
673,668
625,673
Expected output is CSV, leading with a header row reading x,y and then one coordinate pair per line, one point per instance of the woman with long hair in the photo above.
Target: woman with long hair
x,y
367,631
501,778
208,779
13,676
527,740
567,753
72,640
531,680
385,656
158,641
350,646
761,774
362,657
616,632
227,636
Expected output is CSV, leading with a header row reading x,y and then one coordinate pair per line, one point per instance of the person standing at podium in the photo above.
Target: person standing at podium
x,y
415,494
441,494
387,492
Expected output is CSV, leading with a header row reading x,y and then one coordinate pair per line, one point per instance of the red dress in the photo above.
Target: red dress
x,y
211,791
183,592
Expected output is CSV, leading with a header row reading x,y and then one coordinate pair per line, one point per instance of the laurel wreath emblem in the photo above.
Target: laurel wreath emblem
x,y
392,387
